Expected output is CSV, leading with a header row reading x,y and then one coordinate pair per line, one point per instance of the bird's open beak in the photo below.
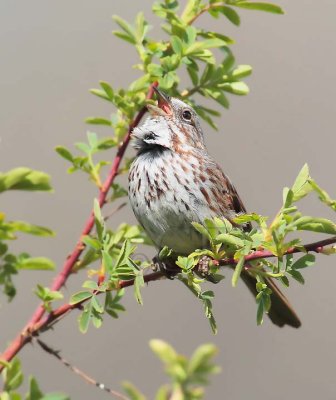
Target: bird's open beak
x,y
164,107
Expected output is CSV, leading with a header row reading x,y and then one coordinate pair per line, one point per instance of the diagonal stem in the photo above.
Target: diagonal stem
x,y
79,372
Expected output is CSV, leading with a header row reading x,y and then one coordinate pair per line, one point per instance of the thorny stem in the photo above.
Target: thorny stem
x,y
53,317
24,336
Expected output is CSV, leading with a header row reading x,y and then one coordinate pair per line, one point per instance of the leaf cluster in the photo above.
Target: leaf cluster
x,y
13,379
22,179
115,251
231,243
188,376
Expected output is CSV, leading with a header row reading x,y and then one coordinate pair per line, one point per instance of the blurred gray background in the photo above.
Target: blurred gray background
x,y
51,54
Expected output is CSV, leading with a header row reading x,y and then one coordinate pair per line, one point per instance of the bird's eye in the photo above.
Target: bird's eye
x,y
186,114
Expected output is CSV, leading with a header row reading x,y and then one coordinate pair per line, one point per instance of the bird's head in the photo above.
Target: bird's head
x,y
172,124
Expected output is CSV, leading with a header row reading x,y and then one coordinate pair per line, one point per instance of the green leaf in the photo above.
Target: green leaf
x,y
301,186
241,71
185,263
98,121
138,284
126,28
92,242
193,75
84,318
24,179
229,240
177,45
163,350
201,229
141,27
297,276
230,14
96,305
107,89
90,285
132,392
79,297
106,143
124,36
237,271
34,390
65,153
260,312
239,88
268,7
140,84
13,376
163,393
304,262
201,358
55,396
100,93
168,80
32,229
323,195
36,263
84,147
47,295
321,225
99,221
155,70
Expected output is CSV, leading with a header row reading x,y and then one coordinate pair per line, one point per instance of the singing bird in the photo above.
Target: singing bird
x,y
173,182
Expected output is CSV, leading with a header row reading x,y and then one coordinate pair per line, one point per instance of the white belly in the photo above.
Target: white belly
x,y
165,206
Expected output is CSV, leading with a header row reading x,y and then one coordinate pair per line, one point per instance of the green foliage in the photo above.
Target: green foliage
x,y
85,162
115,250
187,376
13,378
193,283
47,296
229,242
188,47
23,179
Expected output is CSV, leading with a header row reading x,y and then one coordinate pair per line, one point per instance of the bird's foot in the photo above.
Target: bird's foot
x,y
203,267
205,271
167,267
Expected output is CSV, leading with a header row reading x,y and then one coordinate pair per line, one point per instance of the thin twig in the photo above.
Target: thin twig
x,y
79,372
115,210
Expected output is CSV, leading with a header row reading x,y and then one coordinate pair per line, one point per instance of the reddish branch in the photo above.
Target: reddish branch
x,y
45,323
316,247
70,262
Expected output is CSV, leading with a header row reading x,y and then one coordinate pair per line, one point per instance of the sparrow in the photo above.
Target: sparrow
x,y
173,181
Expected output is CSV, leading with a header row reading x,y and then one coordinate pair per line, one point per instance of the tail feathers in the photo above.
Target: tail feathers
x,y
281,312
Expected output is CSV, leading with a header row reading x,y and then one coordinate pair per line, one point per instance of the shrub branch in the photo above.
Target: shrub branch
x,y
45,323
30,329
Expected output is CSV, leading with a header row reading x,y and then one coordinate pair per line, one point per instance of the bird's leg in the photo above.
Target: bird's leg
x,y
206,268
167,266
